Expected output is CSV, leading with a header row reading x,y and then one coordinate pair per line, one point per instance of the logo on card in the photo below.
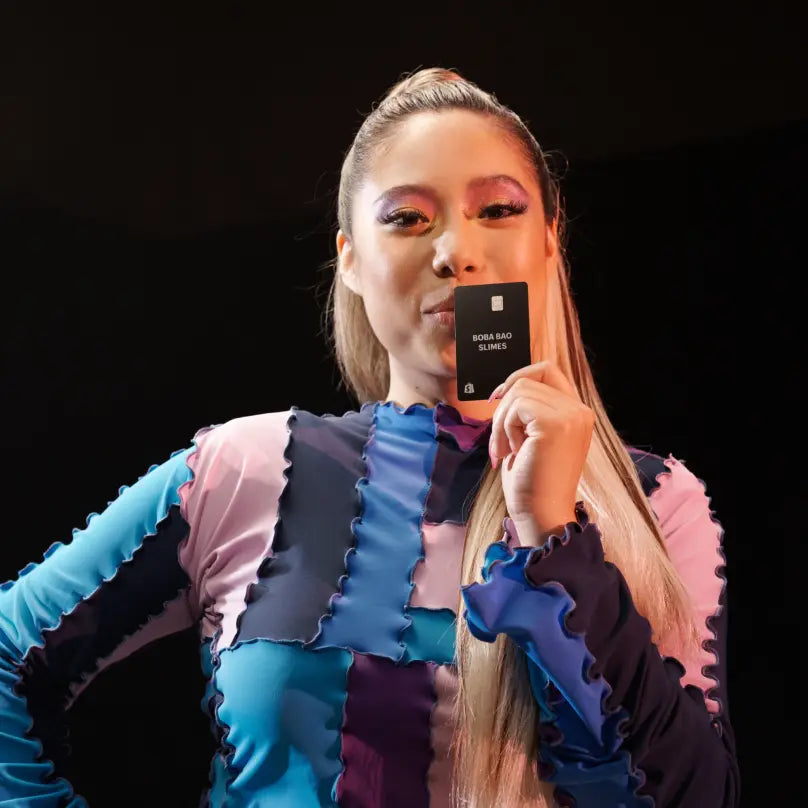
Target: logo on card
x,y
469,388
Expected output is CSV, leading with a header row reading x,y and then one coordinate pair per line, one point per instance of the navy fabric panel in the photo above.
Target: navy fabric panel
x,y
455,478
669,734
648,467
313,533
97,626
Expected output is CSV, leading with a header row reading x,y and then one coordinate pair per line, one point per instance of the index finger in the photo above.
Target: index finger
x,y
545,371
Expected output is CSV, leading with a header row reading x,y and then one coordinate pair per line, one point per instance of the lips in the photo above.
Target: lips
x,y
447,304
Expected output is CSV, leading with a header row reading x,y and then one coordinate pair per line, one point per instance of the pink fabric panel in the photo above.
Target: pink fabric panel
x,y
437,575
694,544
439,777
231,506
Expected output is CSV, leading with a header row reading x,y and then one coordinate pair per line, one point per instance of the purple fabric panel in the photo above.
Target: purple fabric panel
x,y
459,465
386,734
443,727
468,433
687,759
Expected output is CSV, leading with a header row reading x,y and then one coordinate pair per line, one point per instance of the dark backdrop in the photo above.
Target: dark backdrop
x,y
166,199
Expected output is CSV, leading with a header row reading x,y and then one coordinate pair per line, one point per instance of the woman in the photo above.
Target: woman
x,y
322,557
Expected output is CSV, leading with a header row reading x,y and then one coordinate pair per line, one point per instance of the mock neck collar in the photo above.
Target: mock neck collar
x,y
469,433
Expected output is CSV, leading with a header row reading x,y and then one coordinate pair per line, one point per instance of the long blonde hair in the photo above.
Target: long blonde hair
x,y
496,740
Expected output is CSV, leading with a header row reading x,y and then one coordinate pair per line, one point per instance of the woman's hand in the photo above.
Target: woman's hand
x,y
542,429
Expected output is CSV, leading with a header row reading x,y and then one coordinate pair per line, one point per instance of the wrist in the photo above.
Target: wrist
x,y
534,529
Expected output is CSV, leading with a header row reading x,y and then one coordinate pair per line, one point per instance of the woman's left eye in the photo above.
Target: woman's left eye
x,y
506,208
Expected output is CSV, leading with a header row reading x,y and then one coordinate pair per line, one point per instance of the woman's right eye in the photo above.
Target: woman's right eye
x,y
403,218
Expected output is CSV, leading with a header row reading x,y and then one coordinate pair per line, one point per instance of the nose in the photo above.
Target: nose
x,y
456,251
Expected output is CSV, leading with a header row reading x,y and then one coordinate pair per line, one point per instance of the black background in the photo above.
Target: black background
x,y
167,178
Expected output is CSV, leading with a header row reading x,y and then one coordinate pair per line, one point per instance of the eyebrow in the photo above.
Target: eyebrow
x,y
474,184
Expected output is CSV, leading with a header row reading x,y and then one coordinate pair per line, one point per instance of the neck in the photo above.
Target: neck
x,y
406,389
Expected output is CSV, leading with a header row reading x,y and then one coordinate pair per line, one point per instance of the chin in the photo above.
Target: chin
x,y
448,362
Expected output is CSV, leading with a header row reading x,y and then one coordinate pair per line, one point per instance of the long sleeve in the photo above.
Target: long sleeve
x,y
621,724
116,585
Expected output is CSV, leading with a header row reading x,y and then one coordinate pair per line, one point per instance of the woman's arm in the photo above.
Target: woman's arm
x,y
116,585
621,724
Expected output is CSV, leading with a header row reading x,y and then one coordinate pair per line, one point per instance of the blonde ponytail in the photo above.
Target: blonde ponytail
x,y
496,741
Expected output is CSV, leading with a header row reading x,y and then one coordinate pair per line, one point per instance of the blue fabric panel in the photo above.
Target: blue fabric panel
x,y
431,636
59,617
589,765
37,600
282,711
369,614
534,618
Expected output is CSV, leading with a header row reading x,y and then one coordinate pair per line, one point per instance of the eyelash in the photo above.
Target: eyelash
x,y
514,208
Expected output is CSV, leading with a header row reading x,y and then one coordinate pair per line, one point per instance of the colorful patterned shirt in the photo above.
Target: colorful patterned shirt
x,y
319,558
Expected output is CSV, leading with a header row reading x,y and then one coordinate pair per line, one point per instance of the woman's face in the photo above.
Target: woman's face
x,y
449,201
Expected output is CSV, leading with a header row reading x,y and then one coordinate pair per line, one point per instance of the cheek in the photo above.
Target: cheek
x,y
386,292
519,253
389,297
529,252
389,274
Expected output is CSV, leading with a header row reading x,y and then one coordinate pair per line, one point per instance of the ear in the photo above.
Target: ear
x,y
346,264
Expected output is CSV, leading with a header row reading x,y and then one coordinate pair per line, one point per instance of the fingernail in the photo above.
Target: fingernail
x,y
494,393
494,458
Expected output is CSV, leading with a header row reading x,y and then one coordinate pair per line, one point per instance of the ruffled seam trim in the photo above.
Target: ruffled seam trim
x,y
429,780
40,756
360,484
32,565
438,412
192,463
421,522
709,645
226,750
553,541
618,714
419,407
422,555
285,471
343,765
344,414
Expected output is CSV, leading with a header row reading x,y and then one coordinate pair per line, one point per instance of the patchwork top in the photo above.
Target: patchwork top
x,y
319,557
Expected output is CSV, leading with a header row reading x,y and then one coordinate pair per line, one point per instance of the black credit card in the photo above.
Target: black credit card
x,y
492,335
